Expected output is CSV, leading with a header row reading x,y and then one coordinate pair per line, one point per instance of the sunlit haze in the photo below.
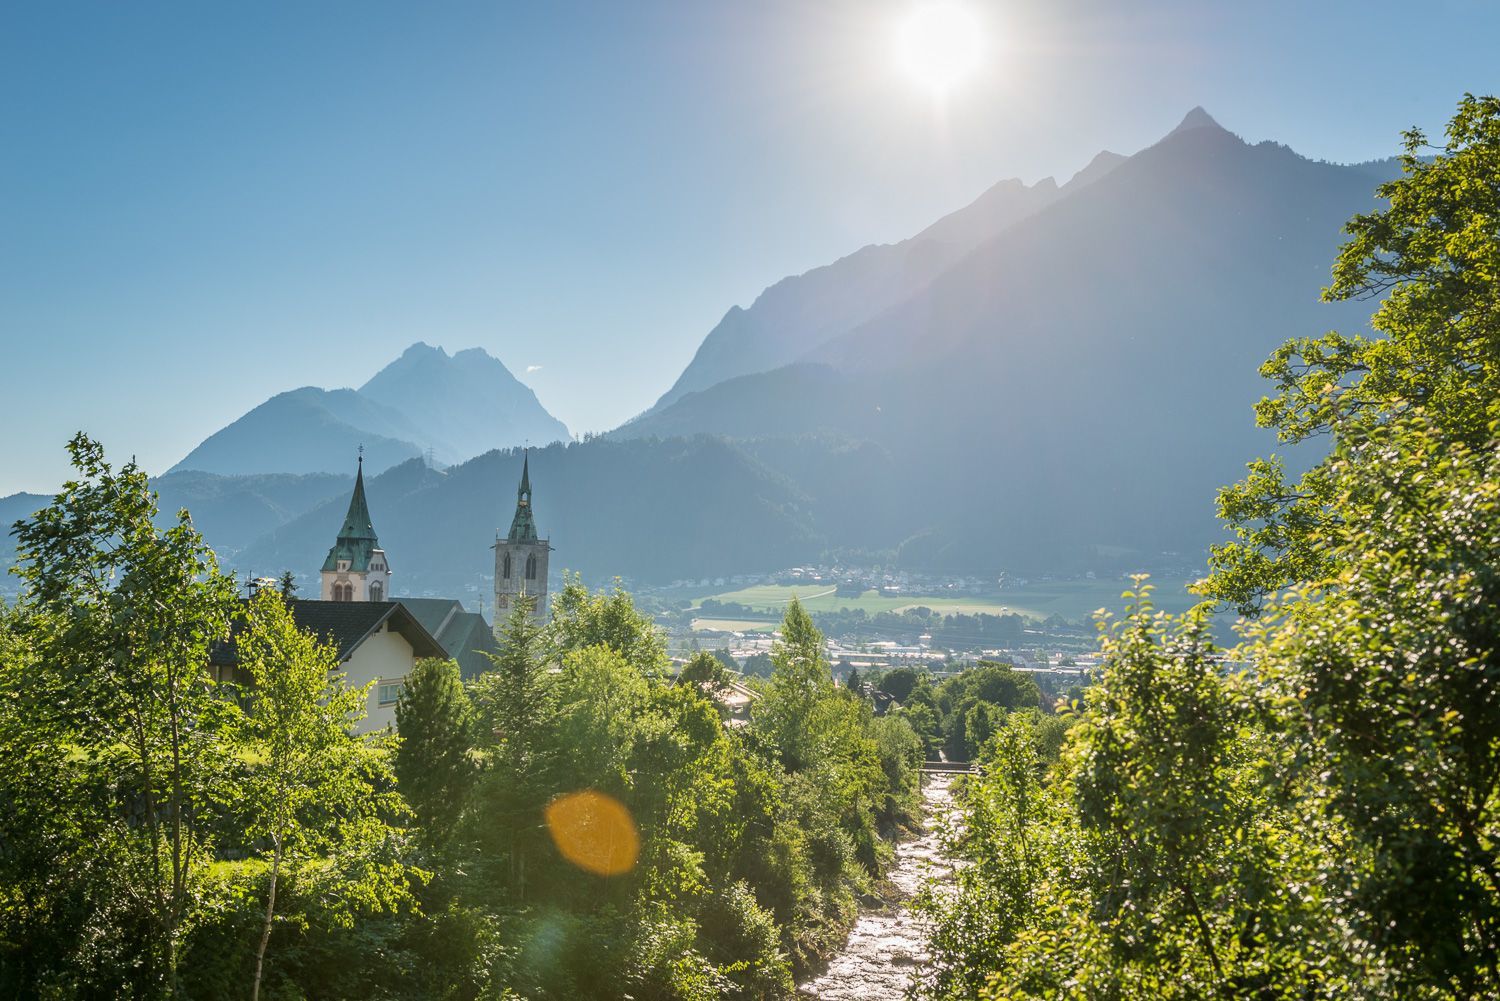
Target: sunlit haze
x,y
210,206
940,45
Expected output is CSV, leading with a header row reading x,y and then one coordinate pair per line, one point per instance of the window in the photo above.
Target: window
x,y
531,567
377,591
505,567
389,691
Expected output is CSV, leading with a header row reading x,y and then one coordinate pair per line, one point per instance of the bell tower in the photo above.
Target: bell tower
x,y
521,558
356,568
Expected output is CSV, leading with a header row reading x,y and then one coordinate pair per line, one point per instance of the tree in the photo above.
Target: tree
x,y
121,616
434,770
608,618
309,793
898,683
1432,255
288,585
800,679
516,715
1161,857
1389,684
704,669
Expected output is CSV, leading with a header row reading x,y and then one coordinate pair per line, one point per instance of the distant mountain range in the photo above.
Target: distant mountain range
x,y
1053,378
800,314
456,406
1082,380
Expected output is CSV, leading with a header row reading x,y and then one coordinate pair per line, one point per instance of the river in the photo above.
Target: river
x,y
888,945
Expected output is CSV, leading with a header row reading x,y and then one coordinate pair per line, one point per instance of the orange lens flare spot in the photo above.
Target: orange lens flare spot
x,y
594,832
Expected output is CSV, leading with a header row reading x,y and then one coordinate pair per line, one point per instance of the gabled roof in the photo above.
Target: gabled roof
x,y
345,625
356,539
466,636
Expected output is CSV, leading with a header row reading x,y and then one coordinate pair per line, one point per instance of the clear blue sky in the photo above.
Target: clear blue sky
x,y
203,204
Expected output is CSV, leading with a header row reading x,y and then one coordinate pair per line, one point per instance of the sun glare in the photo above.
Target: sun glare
x,y
939,44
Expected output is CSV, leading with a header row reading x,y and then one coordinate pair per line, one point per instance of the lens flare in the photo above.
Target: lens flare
x,y
593,831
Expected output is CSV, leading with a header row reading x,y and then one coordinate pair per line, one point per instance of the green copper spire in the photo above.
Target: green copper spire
x,y
522,528
356,539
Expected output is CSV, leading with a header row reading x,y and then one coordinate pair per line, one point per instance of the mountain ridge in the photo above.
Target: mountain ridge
x,y
456,407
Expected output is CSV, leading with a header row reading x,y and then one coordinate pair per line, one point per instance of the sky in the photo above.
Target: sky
x,y
202,205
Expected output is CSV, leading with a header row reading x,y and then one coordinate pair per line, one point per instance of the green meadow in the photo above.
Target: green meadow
x,y
1072,599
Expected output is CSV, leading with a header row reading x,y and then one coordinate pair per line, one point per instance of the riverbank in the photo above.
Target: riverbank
x,y
888,944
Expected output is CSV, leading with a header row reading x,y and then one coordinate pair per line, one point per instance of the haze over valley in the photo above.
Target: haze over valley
x,y
1051,379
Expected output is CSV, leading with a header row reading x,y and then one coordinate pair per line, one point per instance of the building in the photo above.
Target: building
x,y
465,635
377,641
521,558
356,568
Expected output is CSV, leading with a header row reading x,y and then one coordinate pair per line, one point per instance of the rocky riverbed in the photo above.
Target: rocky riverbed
x,y
889,944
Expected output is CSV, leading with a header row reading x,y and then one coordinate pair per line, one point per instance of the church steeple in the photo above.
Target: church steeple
x,y
357,524
522,527
356,568
521,557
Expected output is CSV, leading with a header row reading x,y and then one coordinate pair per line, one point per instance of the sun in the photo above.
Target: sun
x,y
939,44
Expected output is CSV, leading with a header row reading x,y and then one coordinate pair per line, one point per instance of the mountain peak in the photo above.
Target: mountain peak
x,y
422,349
1102,163
1196,119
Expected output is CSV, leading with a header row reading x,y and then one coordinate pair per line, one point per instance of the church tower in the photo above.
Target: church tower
x,y
356,568
521,558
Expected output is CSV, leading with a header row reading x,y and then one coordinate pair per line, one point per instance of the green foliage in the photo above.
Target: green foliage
x,y
310,791
973,703
515,708
1321,823
1159,858
111,722
133,778
744,872
898,683
433,767
583,619
704,669
1431,256
1389,683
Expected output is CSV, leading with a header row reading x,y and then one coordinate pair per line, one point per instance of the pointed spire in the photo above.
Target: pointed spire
x,y
522,527
357,524
356,539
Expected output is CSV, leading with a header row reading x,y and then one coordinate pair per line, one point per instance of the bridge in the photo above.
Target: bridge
x,y
930,768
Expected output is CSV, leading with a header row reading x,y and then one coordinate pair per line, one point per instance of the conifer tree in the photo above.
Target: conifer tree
x,y
434,769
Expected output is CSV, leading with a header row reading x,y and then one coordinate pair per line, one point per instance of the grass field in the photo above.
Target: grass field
x,y
1072,599
734,625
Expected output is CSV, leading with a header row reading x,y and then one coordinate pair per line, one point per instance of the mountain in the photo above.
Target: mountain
x,y
456,406
799,314
648,509
1064,394
1082,381
470,402
230,511
233,511
307,430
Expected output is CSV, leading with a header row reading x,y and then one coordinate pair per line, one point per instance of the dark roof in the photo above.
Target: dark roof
x,y
356,540
345,625
466,636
